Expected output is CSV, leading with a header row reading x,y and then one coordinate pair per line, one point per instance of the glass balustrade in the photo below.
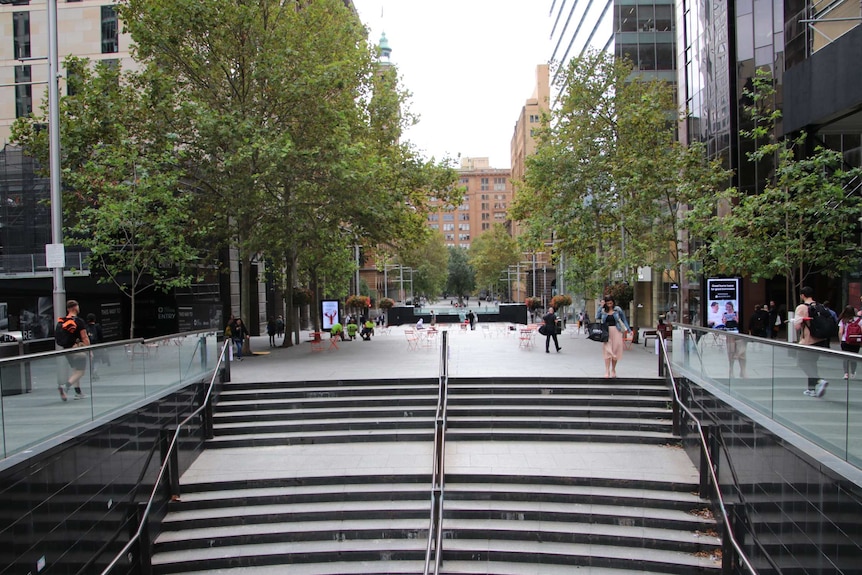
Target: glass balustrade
x,y
772,378
117,376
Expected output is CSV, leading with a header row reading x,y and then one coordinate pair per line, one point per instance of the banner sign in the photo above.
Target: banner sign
x,y
722,299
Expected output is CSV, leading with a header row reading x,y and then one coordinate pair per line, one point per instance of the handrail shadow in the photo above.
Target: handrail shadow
x,y
707,464
169,465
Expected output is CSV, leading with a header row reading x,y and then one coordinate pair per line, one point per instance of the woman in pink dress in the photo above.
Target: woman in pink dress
x,y
612,315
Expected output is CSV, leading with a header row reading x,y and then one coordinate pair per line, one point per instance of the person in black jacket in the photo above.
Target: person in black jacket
x,y
758,323
550,320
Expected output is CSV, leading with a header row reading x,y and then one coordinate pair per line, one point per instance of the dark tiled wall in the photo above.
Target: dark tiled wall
x,y
806,518
62,507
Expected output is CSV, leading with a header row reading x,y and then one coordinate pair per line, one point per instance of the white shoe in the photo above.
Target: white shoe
x,y
820,389
808,392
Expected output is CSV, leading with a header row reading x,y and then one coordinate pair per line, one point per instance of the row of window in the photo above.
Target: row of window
x,y
461,237
648,55
644,18
21,49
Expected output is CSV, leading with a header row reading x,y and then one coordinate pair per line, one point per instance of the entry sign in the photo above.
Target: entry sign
x,y
55,255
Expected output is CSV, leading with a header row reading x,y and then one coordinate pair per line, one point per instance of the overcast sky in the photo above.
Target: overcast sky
x,y
469,64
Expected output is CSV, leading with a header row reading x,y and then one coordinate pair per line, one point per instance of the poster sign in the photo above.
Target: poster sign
x,y
329,313
722,296
111,320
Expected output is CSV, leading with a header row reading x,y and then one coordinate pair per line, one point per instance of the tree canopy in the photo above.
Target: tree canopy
x,y
803,221
125,196
610,205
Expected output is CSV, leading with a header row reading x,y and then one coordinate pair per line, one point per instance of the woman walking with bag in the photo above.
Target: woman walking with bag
x,y
612,315
849,337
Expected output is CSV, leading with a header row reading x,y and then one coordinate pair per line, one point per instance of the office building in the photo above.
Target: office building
x,y
487,195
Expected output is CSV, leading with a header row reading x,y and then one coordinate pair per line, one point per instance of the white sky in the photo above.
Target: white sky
x,y
469,64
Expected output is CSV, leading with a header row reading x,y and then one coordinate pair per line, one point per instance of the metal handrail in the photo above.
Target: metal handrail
x,y
163,469
435,531
710,464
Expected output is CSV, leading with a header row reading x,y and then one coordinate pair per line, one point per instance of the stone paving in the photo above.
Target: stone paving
x,y
481,353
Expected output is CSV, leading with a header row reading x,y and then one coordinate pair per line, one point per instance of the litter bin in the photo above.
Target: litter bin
x,y
13,378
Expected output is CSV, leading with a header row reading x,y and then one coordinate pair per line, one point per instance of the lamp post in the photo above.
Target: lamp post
x,y
56,251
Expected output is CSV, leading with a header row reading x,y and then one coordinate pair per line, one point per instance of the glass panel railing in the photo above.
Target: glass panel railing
x,y
780,381
116,376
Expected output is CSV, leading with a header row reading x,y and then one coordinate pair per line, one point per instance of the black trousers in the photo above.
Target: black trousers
x,y
548,337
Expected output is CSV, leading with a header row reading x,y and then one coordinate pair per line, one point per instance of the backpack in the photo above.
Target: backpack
x,y
66,332
821,324
853,332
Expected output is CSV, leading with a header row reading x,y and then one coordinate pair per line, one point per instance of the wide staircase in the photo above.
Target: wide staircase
x,y
496,519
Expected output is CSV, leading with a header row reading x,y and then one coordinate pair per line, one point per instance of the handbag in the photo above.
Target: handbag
x,y
543,329
598,331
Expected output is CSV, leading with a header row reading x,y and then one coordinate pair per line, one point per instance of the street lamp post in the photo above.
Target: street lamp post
x,y
54,160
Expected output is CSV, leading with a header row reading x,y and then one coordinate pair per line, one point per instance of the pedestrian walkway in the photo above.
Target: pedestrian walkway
x,y
472,354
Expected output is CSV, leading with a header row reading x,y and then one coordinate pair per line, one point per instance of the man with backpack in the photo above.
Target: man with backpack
x,y
758,324
71,331
814,326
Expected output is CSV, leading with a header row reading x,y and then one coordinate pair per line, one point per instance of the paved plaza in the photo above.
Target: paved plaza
x,y
490,350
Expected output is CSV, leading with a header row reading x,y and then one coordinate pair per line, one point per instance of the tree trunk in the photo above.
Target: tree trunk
x,y
290,321
245,296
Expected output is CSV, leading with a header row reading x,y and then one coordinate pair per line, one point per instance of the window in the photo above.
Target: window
x,y
485,216
448,227
21,34
486,226
499,205
464,227
500,184
434,226
499,216
485,205
664,18
463,237
464,217
110,30
464,207
534,118
464,246
433,217
448,217
627,19
664,56
484,182
449,237
23,92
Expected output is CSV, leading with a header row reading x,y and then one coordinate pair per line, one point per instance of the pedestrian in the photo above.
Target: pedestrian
x,y
758,323
70,332
671,315
367,330
550,325
774,319
471,317
612,315
352,328
808,361
94,332
279,326
271,330
848,335
239,334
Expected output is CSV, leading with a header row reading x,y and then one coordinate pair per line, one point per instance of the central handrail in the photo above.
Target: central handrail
x,y
435,525
728,527
166,464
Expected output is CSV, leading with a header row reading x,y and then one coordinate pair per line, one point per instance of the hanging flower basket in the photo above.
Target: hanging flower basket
x,y
386,303
533,303
358,301
561,301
